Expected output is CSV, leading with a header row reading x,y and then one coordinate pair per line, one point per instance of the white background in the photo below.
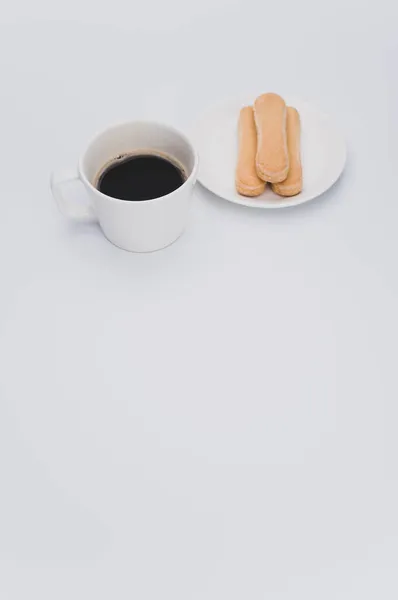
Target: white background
x,y
217,420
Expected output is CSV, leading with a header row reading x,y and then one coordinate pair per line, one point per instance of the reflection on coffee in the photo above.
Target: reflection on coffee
x,y
136,177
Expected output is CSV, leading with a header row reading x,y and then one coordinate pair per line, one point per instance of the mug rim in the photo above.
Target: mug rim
x,y
171,128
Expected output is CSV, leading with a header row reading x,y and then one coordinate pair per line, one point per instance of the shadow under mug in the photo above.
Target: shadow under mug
x,y
141,226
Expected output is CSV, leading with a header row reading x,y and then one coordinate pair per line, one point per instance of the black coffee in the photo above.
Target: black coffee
x,y
140,177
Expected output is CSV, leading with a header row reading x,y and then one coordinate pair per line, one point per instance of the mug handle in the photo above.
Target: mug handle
x,y
72,210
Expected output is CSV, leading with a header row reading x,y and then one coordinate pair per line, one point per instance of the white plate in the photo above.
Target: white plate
x,y
323,154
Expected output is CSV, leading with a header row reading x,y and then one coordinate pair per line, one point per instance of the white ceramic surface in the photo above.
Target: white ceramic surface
x,y
135,226
323,154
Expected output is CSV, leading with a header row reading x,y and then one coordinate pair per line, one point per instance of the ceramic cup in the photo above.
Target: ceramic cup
x,y
141,226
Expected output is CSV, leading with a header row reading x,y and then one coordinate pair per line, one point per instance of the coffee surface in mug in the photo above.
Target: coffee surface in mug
x,y
136,177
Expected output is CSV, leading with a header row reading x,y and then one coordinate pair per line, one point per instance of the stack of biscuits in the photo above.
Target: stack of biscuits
x,y
269,148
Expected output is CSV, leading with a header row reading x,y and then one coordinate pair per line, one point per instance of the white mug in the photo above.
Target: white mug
x,y
140,226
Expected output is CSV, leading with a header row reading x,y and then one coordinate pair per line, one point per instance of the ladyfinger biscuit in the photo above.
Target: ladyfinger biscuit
x,y
272,159
294,182
246,179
